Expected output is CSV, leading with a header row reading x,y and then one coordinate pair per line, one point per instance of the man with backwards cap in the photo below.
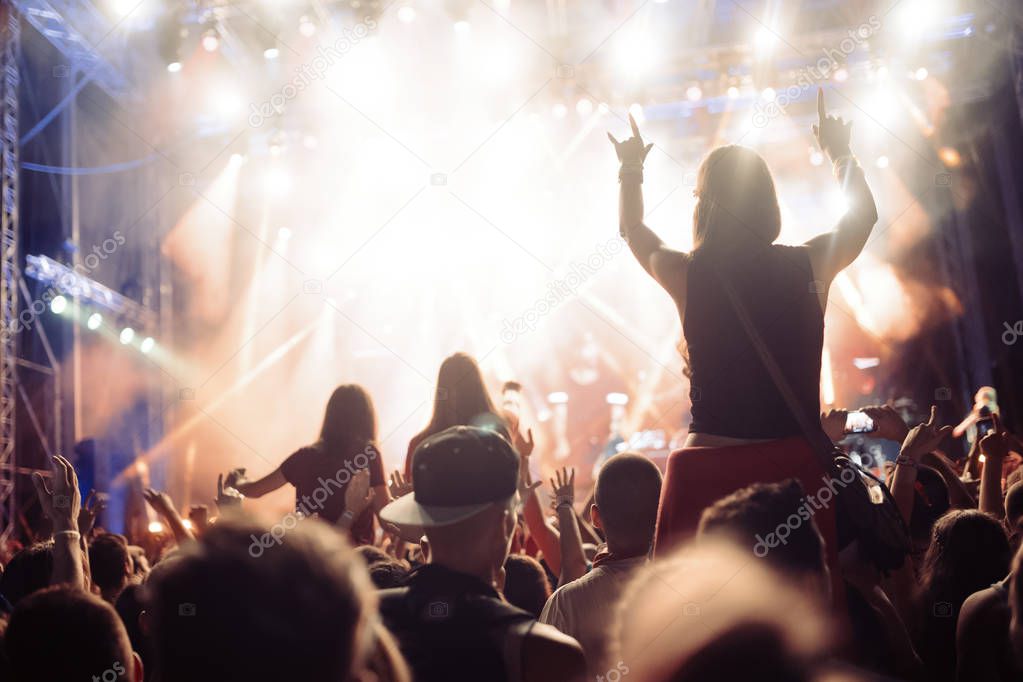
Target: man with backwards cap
x,y
450,618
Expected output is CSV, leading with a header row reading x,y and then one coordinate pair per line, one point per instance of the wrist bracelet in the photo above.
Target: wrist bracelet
x,y
908,461
562,502
70,533
634,170
347,514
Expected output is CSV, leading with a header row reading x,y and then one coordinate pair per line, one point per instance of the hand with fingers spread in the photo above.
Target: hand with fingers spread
x,y
227,496
63,502
633,151
563,486
924,437
92,507
832,132
399,485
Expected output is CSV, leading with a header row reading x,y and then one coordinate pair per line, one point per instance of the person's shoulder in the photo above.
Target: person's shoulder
x,y
560,656
984,605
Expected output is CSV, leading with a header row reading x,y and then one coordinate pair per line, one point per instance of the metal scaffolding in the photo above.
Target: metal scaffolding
x,y
10,34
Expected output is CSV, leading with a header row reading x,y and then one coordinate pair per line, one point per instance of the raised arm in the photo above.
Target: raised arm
x,y
236,479
62,505
573,560
830,253
665,265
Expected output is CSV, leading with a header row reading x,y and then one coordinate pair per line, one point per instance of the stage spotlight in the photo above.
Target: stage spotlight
x,y
694,93
155,527
225,103
187,523
584,107
284,234
768,94
882,161
636,109
127,334
462,27
122,8
237,159
764,39
559,110
950,157
147,344
406,14
617,399
733,92
277,181
94,321
816,158
841,74
58,305
210,41
557,398
306,27
920,74
882,73
603,108
271,53
174,67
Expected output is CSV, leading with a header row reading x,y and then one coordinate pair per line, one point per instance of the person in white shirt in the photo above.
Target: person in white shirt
x,y
625,510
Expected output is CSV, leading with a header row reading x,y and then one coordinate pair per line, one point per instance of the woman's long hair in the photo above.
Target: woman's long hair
x,y
737,206
461,398
349,422
737,209
968,552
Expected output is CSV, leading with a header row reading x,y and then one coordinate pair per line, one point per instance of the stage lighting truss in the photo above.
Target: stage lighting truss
x,y
65,281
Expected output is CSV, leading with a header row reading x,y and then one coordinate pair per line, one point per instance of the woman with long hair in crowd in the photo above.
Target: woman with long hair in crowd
x,y
969,552
320,472
752,315
461,399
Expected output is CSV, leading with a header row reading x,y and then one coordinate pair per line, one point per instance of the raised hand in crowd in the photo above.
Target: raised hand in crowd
x,y
995,447
920,440
92,507
228,496
573,558
398,484
163,505
61,501
923,437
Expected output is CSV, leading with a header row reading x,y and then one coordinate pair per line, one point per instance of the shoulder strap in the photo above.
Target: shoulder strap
x,y
820,443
